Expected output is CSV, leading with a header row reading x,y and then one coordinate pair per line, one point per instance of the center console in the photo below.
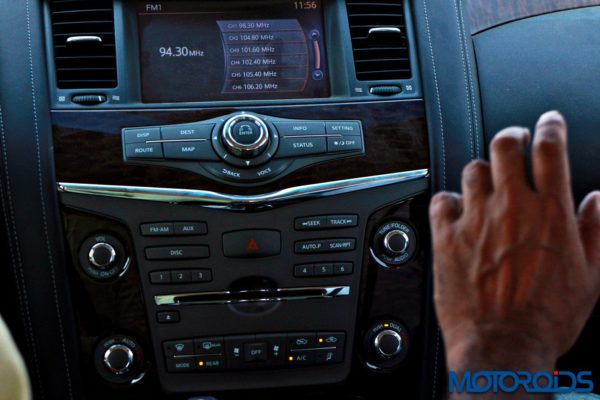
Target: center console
x,y
245,207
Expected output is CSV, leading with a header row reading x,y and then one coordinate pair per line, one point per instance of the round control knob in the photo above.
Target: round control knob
x,y
396,242
245,136
388,343
119,359
102,255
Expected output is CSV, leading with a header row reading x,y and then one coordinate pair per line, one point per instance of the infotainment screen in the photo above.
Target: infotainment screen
x,y
232,50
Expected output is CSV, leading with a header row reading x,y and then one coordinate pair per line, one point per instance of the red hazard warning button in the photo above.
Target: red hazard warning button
x,y
251,243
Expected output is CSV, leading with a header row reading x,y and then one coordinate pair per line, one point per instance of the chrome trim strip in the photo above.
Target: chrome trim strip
x,y
267,295
202,196
385,29
175,140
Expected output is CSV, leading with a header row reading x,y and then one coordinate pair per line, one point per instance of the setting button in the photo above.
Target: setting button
x,y
346,128
300,128
143,150
344,143
187,132
140,135
301,146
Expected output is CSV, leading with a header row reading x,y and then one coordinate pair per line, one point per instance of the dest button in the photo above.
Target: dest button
x,y
187,132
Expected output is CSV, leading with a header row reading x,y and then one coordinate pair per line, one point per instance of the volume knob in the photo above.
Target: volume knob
x,y
245,136
119,359
102,255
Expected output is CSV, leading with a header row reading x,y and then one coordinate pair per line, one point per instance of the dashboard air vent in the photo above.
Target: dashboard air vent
x,y
83,32
379,41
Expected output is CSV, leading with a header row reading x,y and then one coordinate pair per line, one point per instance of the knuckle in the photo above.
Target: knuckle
x,y
548,146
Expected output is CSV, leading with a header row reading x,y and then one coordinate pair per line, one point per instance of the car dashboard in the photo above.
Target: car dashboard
x,y
229,198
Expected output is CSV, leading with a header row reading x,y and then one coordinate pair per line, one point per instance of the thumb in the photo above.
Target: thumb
x,y
588,219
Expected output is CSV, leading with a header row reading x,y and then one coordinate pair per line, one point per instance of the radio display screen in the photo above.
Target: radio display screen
x,y
220,50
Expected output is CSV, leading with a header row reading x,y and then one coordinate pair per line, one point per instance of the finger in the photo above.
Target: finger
x,y
550,161
476,185
588,219
507,156
445,208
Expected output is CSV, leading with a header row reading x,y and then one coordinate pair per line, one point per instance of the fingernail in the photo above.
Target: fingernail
x,y
551,117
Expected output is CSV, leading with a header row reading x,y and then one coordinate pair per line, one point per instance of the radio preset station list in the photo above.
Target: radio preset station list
x,y
203,51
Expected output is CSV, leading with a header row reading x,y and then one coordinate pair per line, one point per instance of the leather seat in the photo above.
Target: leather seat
x,y
14,382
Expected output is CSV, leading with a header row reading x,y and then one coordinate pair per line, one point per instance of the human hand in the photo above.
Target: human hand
x,y
516,270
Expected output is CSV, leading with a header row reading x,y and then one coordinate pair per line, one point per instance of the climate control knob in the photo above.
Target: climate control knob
x,y
119,359
245,136
388,343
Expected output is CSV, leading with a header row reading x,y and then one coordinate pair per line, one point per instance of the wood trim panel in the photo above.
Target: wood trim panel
x,y
87,145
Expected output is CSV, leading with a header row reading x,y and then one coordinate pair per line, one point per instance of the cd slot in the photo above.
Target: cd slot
x,y
252,296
